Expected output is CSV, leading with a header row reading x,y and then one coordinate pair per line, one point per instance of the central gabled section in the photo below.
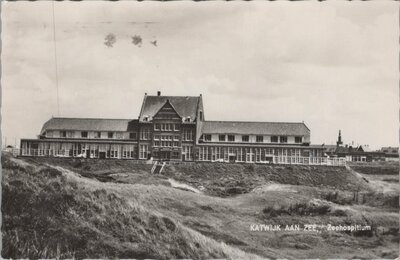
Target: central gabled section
x,y
167,133
167,112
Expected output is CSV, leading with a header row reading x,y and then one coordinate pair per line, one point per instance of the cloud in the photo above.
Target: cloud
x,y
328,64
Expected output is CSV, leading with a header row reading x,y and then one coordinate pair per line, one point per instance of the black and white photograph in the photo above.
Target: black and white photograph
x,y
200,130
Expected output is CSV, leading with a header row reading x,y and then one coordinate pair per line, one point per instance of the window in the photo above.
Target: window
x,y
145,133
187,152
167,127
97,135
222,138
201,115
176,127
128,151
114,151
84,134
110,134
49,134
207,138
245,138
274,139
231,138
259,138
157,127
63,134
143,151
132,135
175,155
166,141
298,139
187,135
283,139
119,135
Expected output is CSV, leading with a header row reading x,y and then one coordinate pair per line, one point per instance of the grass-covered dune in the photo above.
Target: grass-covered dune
x,y
230,179
48,214
116,209
377,168
218,179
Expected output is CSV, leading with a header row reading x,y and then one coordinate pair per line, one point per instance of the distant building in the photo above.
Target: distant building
x,y
173,128
391,153
361,153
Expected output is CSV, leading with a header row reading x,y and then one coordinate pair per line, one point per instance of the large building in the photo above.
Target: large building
x,y
173,128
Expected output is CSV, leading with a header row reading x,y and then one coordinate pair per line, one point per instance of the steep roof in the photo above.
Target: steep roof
x,y
328,147
350,149
89,124
390,150
184,106
258,128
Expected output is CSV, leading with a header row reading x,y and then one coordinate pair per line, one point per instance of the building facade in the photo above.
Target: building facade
x,y
173,128
350,153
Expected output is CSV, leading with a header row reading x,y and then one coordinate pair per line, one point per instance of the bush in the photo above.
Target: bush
x,y
300,208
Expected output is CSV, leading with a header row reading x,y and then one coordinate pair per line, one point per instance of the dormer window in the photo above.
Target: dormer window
x,y
187,119
146,118
207,138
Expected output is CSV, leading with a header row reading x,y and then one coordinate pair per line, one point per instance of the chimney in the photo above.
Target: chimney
x,y
158,93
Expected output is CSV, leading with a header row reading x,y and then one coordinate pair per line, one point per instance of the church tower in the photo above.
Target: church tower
x,y
339,141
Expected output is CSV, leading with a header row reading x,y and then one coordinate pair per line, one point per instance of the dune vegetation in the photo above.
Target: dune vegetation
x,y
59,208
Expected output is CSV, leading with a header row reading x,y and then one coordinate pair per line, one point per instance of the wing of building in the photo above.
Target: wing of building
x,y
173,128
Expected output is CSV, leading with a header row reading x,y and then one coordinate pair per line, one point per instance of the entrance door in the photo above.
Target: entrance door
x,y
102,155
165,155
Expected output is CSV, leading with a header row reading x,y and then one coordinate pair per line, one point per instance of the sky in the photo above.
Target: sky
x,y
333,65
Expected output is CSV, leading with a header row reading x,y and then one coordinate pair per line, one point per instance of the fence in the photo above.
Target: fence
x,y
295,160
309,160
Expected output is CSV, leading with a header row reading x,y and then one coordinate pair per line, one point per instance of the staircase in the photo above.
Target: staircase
x,y
157,167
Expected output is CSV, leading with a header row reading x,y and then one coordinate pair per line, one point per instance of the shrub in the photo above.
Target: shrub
x,y
299,208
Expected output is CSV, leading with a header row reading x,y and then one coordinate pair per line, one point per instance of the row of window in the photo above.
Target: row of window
x,y
166,137
96,135
187,135
166,127
80,150
246,138
246,154
172,155
166,143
